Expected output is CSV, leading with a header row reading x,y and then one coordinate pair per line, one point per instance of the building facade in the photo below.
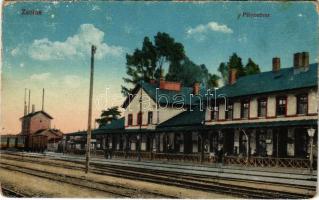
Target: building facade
x,y
36,129
264,119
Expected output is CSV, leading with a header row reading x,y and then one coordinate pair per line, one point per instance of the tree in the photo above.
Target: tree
x,y
213,81
235,62
108,115
147,63
251,67
141,65
223,70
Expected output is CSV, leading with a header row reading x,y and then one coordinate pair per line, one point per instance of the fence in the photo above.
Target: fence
x,y
267,162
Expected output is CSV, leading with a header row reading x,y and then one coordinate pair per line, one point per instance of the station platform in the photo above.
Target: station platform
x,y
271,175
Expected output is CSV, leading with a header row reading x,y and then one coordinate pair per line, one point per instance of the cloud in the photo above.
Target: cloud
x,y
212,26
21,65
74,46
72,81
16,51
40,77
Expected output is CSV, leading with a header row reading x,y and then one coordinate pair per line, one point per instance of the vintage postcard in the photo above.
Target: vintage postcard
x,y
159,99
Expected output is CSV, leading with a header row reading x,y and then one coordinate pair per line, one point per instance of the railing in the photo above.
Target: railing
x,y
165,156
76,151
208,159
131,154
267,162
177,157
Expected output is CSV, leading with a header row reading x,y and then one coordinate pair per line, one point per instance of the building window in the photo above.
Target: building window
x,y
262,107
130,120
229,112
150,118
139,118
281,106
214,113
302,104
244,109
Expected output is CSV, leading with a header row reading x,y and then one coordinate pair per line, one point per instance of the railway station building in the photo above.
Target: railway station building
x,y
266,119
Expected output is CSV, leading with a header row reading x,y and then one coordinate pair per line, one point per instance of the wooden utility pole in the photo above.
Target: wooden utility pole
x,y
88,138
140,120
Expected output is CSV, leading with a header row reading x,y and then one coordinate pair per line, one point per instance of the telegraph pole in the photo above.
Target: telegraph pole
x,y
88,138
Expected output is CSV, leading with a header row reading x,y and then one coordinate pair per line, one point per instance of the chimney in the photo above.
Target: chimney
x,y
275,64
33,108
196,88
305,59
232,76
169,85
29,101
25,102
153,81
297,60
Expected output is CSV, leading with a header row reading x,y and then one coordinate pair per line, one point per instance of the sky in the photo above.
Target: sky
x,y
52,50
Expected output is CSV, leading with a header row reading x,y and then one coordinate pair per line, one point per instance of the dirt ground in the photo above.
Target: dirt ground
x,y
46,188
38,187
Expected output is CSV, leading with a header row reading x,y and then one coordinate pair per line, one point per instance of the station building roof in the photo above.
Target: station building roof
x,y
266,82
191,117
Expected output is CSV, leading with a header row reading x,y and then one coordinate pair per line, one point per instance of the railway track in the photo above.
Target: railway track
x,y
183,180
194,177
117,191
7,192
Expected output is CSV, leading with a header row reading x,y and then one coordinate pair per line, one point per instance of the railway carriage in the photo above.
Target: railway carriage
x,y
21,142
13,141
4,142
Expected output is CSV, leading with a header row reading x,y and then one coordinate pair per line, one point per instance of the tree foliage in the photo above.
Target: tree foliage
x,y
223,70
149,62
251,67
108,115
235,62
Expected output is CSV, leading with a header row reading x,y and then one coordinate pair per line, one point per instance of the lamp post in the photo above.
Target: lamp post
x,y
311,132
247,143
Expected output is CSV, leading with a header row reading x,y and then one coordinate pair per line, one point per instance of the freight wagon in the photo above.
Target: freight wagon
x,y
13,142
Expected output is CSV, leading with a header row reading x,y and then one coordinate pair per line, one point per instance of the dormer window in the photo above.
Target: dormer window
x,y
130,120
302,104
281,108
